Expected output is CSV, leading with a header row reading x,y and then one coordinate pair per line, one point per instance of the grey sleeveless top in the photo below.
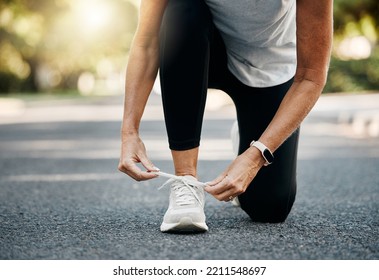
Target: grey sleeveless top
x,y
260,38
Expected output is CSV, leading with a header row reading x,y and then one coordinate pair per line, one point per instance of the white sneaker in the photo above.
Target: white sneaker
x,y
235,136
186,209
235,202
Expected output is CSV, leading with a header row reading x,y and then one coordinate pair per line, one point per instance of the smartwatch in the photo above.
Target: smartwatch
x,y
266,153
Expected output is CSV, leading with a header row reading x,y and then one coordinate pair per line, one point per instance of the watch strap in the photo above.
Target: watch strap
x,y
263,149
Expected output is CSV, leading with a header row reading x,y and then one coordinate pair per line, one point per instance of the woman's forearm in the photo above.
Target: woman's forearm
x,y
314,21
143,63
140,76
295,106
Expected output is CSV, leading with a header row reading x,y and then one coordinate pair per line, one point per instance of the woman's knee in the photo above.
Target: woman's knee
x,y
185,20
267,217
273,210
184,46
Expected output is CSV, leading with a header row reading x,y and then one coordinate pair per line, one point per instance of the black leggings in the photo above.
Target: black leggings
x,y
193,59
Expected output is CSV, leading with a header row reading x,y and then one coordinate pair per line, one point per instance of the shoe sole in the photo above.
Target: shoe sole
x,y
184,225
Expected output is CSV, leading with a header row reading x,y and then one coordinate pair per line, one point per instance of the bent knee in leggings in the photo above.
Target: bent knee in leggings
x,y
183,18
273,208
271,201
270,196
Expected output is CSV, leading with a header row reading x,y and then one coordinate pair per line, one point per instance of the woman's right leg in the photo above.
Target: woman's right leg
x,y
184,57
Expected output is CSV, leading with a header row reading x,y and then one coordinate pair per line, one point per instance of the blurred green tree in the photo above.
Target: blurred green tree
x,y
355,61
49,44
46,44
356,16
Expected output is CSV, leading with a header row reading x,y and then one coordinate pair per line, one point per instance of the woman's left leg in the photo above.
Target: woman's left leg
x,y
271,194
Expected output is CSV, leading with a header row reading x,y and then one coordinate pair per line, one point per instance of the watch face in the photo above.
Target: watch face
x,y
269,157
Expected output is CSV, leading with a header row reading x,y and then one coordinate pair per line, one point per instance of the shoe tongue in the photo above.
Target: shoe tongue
x,y
193,181
185,195
190,178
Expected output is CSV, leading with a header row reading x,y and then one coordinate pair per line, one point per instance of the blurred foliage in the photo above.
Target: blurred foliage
x,y
351,19
47,45
354,75
356,17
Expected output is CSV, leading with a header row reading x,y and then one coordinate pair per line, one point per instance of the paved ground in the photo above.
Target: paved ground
x,y
61,196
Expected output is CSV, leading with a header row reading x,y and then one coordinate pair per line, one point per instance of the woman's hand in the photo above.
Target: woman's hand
x,y
133,151
140,76
237,177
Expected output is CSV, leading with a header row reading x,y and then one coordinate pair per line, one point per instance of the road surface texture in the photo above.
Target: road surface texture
x,y
62,197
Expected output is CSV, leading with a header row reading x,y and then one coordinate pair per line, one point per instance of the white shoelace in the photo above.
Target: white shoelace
x,y
183,187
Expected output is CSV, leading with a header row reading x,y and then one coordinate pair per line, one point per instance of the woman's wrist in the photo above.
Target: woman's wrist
x,y
127,131
255,156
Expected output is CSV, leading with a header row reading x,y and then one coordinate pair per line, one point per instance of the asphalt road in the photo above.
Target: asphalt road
x,y
61,196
